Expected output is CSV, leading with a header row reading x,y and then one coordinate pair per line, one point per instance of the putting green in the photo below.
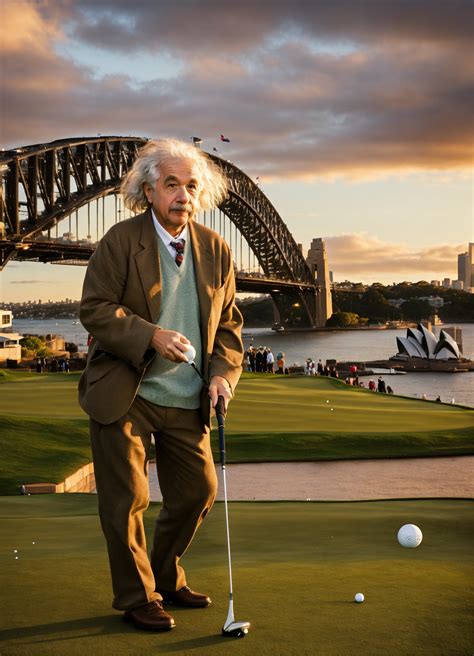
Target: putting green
x,y
297,567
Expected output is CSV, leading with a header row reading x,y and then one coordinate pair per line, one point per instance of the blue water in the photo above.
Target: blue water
x,y
340,345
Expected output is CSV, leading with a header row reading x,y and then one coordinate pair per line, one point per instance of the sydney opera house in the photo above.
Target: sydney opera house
x,y
422,343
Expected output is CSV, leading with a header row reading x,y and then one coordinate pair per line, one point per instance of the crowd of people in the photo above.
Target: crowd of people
x,y
261,360
52,365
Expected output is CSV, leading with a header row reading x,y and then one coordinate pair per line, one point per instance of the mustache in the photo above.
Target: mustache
x,y
182,208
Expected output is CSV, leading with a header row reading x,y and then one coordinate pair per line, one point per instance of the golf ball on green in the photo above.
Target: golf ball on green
x,y
410,536
359,597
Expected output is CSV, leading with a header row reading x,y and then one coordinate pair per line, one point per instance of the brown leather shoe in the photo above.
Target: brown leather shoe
x,y
185,597
150,617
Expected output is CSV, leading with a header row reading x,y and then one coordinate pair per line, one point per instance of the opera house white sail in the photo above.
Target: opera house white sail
x,y
422,343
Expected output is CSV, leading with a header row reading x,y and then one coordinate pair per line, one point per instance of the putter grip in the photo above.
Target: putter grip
x,y
220,409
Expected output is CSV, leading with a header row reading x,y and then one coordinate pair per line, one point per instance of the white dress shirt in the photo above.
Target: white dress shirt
x,y
167,238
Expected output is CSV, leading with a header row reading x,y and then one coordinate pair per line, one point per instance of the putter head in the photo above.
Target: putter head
x,y
235,629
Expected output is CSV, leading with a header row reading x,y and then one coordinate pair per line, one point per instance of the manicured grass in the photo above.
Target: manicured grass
x,y
297,567
40,395
39,450
44,433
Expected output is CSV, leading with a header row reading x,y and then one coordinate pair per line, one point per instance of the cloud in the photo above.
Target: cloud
x,y
306,90
365,256
29,282
205,25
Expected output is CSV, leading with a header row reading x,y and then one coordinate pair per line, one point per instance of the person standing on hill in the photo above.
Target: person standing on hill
x,y
155,284
270,361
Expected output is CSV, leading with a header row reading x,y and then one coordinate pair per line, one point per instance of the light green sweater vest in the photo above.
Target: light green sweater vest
x,y
166,383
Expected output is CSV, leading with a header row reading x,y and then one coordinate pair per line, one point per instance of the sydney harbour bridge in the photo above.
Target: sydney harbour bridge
x,y
58,199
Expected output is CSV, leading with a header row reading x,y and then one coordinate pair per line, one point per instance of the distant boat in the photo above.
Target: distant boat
x,y
75,323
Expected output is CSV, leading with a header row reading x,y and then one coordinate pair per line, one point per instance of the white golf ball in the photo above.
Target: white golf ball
x,y
359,597
190,352
409,536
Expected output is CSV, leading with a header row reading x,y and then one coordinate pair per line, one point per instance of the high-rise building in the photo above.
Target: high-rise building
x,y
463,265
470,267
458,284
446,282
318,263
436,283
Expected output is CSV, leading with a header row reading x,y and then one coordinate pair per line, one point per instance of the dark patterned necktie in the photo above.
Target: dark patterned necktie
x,y
179,248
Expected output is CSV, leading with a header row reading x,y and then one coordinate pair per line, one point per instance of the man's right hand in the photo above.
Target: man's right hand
x,y
170,344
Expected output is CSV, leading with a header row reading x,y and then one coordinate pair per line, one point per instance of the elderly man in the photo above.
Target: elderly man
x,y
155,284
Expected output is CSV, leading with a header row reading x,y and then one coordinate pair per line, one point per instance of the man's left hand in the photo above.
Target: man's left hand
x,y
219,386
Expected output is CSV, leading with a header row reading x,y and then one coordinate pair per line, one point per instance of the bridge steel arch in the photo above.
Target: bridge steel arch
x,y
51,181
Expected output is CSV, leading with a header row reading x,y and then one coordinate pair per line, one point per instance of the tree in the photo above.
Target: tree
x,y
416,310
31,343
375,306
34,347
342,319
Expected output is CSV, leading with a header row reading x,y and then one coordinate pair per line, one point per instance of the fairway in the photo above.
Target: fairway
x,y
262,404
44,433
297,567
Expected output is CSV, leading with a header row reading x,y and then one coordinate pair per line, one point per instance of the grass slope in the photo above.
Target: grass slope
x,y
297,567
44,433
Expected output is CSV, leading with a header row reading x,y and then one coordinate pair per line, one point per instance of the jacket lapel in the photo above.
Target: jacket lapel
x,y
148,264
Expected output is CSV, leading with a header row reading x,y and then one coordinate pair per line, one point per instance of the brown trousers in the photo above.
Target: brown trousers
x,y
188,483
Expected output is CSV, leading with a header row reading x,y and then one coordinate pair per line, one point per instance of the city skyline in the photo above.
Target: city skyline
x,y
354,119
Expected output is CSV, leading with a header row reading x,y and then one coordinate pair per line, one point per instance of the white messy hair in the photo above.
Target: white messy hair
x,y
146,169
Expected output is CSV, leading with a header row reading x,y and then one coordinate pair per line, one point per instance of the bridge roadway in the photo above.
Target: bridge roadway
x,y
80,253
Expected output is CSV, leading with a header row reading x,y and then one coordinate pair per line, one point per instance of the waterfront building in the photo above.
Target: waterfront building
x,y
422,343
435,301
396,302
10,347
6,321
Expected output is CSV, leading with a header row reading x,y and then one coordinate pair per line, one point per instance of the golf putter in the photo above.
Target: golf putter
x,y
231,628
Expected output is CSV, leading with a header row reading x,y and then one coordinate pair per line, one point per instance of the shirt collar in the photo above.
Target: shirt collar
x,y
164,234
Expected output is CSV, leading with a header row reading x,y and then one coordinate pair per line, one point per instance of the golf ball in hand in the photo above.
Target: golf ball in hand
x,y
410,536
190,352
359,597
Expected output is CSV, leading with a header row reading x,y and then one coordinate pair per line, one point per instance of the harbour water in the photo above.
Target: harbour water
x,y
341,345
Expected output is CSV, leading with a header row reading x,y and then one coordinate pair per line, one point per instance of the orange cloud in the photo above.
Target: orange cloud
x,y
24,27
366,257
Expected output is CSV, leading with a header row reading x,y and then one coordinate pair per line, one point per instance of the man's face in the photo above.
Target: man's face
x,y
175,195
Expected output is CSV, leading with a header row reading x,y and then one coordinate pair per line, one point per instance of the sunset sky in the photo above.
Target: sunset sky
x,y
355,114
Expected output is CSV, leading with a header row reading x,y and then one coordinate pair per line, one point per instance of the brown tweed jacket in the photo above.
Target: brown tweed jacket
x,y
121,304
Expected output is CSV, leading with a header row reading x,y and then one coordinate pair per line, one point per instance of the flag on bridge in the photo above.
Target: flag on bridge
x,y
197,141
226,139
